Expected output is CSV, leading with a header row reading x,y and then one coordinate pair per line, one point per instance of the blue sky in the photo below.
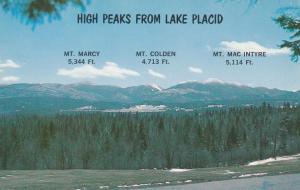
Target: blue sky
x,y
38,54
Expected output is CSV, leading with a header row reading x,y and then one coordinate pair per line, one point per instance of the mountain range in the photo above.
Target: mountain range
x,y
49,98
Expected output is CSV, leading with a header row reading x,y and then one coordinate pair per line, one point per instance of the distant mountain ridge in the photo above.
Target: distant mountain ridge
x,y
55,97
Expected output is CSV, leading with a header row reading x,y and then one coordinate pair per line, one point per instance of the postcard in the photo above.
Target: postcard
x,y
128,94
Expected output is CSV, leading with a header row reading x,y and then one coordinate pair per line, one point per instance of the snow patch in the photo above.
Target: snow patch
x,y
85,108
157,87
215,106
277,159
178,170
250,175
143,184
219,81
140,108
103,187
230,172
135,185
184,109
213,80
189,81
188,181
122,186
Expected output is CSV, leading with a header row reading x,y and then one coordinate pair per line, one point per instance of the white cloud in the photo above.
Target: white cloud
x,y
253,47
8,79
88,71
195,70
9,64
156,74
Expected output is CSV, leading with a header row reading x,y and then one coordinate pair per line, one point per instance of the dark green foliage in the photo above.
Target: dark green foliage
x,y
148,140
291,24
34,11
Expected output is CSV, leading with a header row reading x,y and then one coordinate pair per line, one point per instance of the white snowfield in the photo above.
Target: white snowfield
x,y
140,108
277,159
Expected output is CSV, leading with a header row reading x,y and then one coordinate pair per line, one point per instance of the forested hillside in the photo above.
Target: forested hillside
x,y
53,98
148,140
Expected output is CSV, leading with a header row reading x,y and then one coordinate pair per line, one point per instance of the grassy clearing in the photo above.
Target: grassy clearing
x,y
101,179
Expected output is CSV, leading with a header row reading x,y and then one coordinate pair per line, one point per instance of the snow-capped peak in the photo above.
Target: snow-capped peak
x,y
213,80
157,87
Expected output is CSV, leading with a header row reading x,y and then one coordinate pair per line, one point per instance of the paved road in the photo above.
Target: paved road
x,y
281,182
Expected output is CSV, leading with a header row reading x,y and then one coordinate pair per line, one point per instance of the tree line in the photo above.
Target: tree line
x,y
218,137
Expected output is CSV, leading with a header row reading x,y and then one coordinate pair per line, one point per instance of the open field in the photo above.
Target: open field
x,y
279,182
114,179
